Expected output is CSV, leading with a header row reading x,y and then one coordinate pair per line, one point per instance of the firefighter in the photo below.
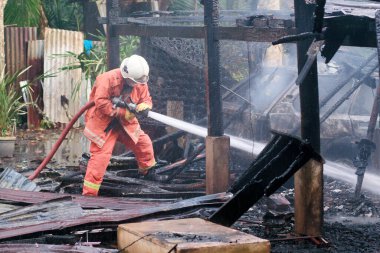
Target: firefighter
x,y
107,123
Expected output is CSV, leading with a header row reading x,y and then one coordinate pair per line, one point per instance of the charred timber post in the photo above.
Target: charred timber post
x,y
91,13
280,159
113,47
308,181
214,99
217,145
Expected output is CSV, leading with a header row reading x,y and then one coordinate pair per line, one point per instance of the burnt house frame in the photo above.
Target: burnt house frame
x,y
306,199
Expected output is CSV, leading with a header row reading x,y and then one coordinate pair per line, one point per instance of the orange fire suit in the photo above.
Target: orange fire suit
x,y
128,131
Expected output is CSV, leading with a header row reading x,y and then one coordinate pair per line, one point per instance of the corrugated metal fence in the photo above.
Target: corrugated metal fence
x,y
61,93
35,59
16,39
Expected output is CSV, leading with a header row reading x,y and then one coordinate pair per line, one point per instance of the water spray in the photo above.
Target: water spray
x,y
331,169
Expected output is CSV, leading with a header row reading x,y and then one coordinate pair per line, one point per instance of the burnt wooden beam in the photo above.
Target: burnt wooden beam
x,y
177,164
151,184
113,45
217,145
360,31
212,72
91,13
308,181
280,159
198,32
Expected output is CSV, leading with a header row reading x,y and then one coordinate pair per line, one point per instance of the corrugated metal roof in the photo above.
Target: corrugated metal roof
x,y
64,83
22,196
57,209
113,218
43,248
10,179
16,46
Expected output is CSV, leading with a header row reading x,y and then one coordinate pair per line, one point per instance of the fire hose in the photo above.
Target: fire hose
x,y
60,139
116,103
235,142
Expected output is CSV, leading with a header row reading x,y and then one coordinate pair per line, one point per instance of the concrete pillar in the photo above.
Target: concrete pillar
x,y
217,164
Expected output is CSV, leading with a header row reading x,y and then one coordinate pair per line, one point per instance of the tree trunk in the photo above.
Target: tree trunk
x,y
43,22
2,43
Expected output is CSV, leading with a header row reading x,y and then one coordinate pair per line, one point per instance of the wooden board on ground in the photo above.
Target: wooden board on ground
x,y
186,235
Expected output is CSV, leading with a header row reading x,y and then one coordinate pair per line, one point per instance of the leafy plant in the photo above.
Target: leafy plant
x,y
64,14
94,61
11,105
22,12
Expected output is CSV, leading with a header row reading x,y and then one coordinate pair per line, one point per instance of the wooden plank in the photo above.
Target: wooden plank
x,y
224,33
217,164
187,235
308,199
254,34
175,109
240,33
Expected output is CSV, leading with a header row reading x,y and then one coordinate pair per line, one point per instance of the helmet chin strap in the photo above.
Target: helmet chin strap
x,y
130,80
143,79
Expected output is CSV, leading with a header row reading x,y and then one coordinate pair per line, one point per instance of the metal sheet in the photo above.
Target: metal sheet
x,y
22,196
11,179
16,47
64,84
45,248
58,209
113,218
35,59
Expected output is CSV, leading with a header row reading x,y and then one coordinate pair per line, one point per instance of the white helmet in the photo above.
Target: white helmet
x,y
135,68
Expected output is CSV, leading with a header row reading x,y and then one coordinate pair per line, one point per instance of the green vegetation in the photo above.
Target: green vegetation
x,y
64,14
61,14
22,12
94,62
11,105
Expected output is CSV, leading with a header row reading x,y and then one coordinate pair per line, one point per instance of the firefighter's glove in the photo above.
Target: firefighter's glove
x,y
126,114
142,110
